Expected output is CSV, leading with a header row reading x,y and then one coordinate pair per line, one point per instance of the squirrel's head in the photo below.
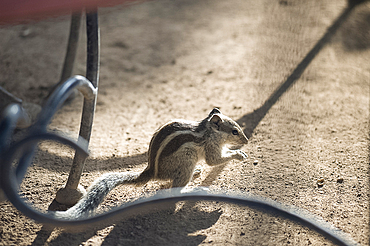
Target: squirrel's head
x,y
228,129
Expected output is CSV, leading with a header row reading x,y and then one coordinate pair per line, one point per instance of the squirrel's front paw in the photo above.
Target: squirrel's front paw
x,y
195,189
241,155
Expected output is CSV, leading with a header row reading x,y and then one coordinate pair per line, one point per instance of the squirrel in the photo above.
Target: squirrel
x,y
174,151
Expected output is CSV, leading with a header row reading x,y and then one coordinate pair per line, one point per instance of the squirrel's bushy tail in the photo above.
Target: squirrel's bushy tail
x,y
96,193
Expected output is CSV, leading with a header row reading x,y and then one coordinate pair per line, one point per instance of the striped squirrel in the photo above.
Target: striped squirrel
x,y
174,150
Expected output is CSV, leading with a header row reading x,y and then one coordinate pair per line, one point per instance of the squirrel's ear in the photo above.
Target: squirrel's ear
x,y
215,111
215,121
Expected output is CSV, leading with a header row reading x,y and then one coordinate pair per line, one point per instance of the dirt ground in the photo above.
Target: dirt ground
x,y
162,60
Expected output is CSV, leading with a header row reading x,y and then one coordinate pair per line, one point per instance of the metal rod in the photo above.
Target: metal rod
x,y
55,101
70,57
92,74
13,113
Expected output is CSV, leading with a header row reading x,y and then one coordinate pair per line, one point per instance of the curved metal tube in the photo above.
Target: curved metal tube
x,y
9,180
72,45
70,56
13,113
54,102
60,95
92,74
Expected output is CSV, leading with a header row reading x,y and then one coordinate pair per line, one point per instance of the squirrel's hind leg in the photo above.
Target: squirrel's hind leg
x,y
181,179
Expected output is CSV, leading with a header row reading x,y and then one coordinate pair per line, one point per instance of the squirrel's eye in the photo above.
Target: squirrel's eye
x,y
235,132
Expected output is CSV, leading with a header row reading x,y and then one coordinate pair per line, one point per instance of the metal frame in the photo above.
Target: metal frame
x,y
72,192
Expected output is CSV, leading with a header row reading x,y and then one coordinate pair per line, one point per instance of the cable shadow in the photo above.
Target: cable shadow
x,y
251,120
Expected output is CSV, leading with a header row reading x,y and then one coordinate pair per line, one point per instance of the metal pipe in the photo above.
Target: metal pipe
x,y
72,192
70,57
13,113
55,101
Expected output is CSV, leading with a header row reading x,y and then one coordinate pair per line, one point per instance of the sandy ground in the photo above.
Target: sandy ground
x,y
162,60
